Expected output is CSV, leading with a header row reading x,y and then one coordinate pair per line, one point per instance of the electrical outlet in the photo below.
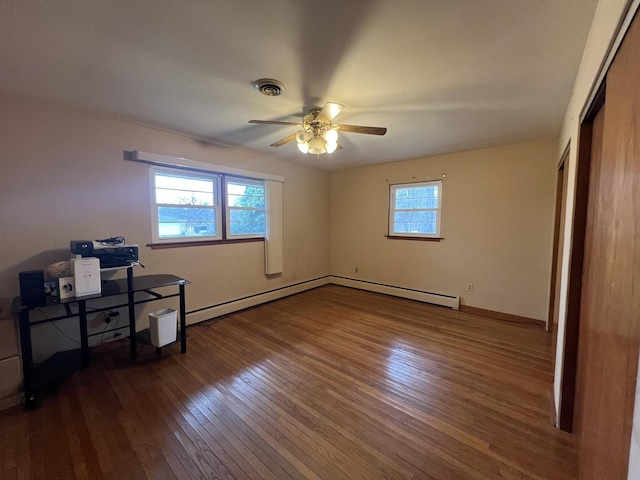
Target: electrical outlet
x,y
469,287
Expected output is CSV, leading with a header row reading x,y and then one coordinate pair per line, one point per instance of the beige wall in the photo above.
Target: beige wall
x,y
497,224
609,15
63,177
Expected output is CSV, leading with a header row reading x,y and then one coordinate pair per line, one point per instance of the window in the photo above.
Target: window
x,y
245,208
188,206
414,209
185,205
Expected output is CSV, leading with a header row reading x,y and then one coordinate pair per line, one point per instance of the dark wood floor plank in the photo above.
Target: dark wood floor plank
x,y
219,429
330,381
326,441
330,384
156,421
265,414
431,386
95,421
9,445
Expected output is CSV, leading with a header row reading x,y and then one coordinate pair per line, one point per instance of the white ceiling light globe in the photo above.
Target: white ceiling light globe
x,y
331,136
316,146
303,147
303,136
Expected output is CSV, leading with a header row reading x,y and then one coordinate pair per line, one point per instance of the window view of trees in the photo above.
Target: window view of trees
x,y
187,206
246,207
415,209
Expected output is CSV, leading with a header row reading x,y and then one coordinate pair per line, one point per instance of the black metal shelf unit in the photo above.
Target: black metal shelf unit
x,y
128,286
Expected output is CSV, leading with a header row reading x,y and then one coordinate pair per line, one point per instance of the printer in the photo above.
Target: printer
x,y
112,252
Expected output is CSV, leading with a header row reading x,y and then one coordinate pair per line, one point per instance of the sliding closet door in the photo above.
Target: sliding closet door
x,y
610,310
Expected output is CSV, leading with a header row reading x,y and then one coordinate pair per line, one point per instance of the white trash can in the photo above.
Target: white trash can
x,y
163,327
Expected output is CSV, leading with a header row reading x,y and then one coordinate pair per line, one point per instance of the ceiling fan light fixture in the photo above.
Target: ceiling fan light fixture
x,y
303,136
331,136
317,146
316,134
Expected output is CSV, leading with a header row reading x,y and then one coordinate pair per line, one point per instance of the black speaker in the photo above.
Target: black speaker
x,y
32,288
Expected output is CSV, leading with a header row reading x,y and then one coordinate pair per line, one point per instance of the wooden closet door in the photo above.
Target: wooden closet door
x,y
586,365
610,310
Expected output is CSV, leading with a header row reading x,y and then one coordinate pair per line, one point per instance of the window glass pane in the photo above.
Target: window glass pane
x,y
416,216
182,197
414,222
247,222
414,227
418,192
245,194
176,222
417,197
409,203
184,183
246,207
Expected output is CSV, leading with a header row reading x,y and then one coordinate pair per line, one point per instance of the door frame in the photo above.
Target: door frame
x,y
558,232
576,259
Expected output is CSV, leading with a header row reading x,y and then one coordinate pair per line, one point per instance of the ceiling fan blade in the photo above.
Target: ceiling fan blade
x,y
273,122
329,111
362,129
279,143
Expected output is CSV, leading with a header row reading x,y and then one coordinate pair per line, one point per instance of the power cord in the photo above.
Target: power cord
x,y
53,324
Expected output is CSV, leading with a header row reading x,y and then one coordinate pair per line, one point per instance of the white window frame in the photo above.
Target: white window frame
x,y
214,177
393,210
273,238
228,208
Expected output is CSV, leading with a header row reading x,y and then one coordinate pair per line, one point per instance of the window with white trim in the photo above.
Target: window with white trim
x,y
245,208
188,206
415,209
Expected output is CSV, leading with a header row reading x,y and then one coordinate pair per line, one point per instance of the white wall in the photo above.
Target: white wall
x,y
497,224
634,453
63,177
609,14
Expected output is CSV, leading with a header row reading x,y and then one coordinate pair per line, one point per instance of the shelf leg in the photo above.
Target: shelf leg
x,y
84,339
183,321
31,400
133,341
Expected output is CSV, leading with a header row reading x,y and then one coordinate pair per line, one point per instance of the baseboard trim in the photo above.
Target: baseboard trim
x,y
11,401
225,308
450,301
553,415
505,317
421,296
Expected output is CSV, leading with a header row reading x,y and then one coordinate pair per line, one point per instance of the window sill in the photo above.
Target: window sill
x,y
421,239
198,243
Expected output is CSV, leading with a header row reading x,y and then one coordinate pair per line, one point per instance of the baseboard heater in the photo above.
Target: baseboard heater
x,y
450,301
225,308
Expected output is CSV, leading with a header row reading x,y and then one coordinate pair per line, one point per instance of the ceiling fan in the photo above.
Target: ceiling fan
x,y
317,135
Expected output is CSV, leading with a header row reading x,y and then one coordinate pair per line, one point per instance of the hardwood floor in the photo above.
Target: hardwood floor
x,y
333,383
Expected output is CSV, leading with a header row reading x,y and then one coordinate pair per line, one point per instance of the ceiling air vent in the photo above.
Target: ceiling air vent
x,y
269,87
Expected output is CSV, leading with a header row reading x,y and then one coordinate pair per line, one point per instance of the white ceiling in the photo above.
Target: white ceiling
x,y
442,75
